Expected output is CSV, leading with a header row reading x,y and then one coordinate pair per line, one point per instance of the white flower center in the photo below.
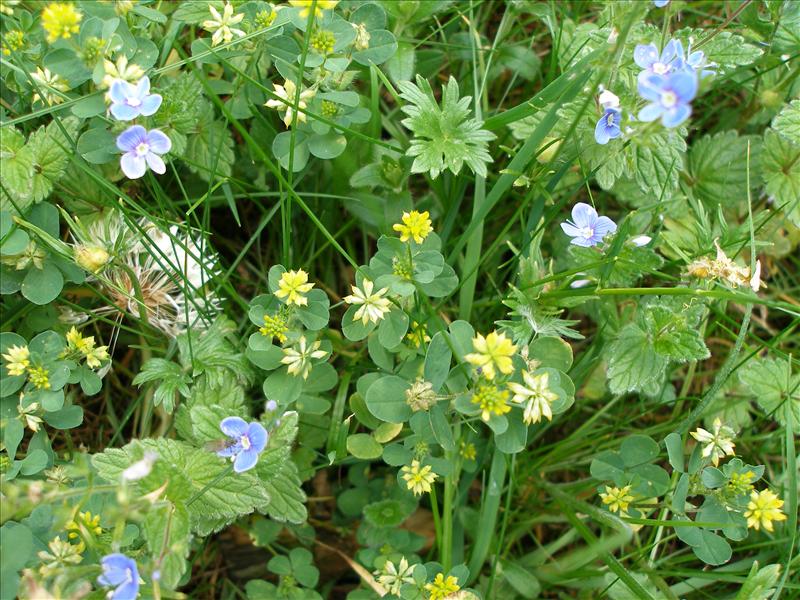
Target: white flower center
x,y
669,99
142,149
610,119
660,68
587,232
245,441
135,102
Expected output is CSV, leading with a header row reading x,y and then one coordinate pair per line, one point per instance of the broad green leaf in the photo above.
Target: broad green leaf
x,y
633,362
718,167
780,166
773,384
787,124
363,446
386,399
760,582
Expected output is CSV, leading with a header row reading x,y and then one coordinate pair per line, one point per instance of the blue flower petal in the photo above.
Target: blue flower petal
x,y
119,91
155,162
234,427
675,116
257,435
570,229
132,165
604,226
650,112
127,591
684,85
644,55
123,112
650,85
245,461
583,215
601,133
150,105
142,88
582,241
131,137
159,142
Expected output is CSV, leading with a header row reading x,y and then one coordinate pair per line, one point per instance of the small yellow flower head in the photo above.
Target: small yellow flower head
x,y
293,286
717,443
60,20
535,396
306,6
275,326
442,587
764,508
13,41
48,84
393,577
617,499
85,526
493,351
298,360
265,18
222,24
96,356
468,451
91,258
418,478
121,70
420,396
329,109
75,341
39,377
322,41
418,334
741,483
17,360
414,225
60,554
491,399
372,306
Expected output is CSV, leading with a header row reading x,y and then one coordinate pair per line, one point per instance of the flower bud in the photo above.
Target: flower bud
x,y
91,258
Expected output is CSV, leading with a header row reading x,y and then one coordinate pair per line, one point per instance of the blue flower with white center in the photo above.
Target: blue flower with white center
x,y
129,101
660,3
587,229
607,127
120,572
669,95
142,149
647,57
246,442
692,61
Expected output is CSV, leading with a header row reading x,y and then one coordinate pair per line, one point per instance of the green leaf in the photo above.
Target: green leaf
x,y
386,399
551,352
209,151
97,146
674,446
382,46
437,360
655,163
634,365
712,549
718,167
780,166
674,331
787,124
386,513
42,286
171,380
20,538
393,328
66,418
760,582
315,314
638,449
363,446
773,384
327,146
282,145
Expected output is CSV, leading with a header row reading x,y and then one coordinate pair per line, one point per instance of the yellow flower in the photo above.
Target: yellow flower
x,y
39,377
418,478
492,400
494,350
7,6
299,361
442,587
221,24
48,84
415,225
617,499
741,483
85,526
764,508
91,258
284,101
718,443
17,359
96,356
85,347
12,41
293,285
418,334
121,70
60,20
32,420
372,306
468,451
306,6
535,395
275,326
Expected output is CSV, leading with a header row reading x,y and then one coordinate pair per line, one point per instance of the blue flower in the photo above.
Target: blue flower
x,y
607,127
142,149
130,101
660,3
120,572
695,61
647,57
247,442
586,228
669,95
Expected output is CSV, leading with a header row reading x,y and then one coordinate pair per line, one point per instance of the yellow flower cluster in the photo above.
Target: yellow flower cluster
x,y
60,20
492,353
764,508
84,346
418,478
441,587
491,400
617,499
85,527
293,286
12,41
275,326
321,5
415,225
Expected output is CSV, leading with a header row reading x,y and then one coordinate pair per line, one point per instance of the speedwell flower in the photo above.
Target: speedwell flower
x,y
60,20
617,499
293,286
535,395
418,478
442,587
764,508
670,96
647,57
607,127
587,229
142,149
221,25
414,225
120,572
284,101
493,351
660,3
17,360
299,361
247,441
129,101
372,306
321,5
716,444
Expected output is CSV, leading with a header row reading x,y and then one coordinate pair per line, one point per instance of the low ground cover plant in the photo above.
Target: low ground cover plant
x,y
419,299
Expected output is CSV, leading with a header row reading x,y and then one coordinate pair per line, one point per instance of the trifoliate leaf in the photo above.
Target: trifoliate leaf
x,y
773,384
780,166
787,124
445,137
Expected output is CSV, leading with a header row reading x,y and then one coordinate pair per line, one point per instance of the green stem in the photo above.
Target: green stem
x,y
447,523
437,523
